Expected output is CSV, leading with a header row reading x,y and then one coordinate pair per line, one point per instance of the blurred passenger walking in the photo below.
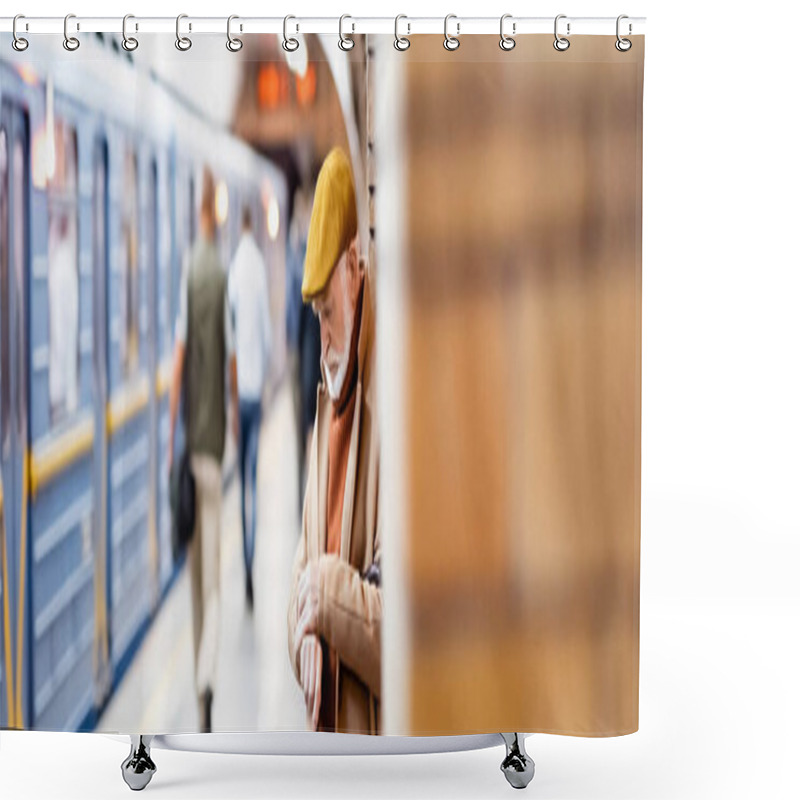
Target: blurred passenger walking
x,y
249,300
204,347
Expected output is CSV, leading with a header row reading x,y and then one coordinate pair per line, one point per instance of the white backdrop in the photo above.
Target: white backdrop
x,y
720,612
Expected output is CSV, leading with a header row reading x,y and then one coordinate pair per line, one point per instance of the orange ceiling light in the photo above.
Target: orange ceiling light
x,y
272,86
306,86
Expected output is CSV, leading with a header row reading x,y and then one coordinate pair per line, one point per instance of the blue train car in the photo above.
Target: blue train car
x,y
15,214
97,209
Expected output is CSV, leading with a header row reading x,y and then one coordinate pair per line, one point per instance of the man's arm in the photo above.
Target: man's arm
x,y
178,359
175,396
351,609
340,604
350,616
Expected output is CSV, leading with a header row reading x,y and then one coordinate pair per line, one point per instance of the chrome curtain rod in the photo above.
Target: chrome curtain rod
x,y
347,25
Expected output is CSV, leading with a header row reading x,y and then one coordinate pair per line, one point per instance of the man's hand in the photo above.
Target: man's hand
x,y
308,601
311,678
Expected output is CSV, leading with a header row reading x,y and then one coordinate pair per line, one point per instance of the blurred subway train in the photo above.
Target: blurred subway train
x,y
99,177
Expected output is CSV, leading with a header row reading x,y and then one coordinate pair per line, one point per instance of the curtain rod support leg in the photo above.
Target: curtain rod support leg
x,y
138,768
517,766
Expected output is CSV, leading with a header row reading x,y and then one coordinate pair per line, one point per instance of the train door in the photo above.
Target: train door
x,y
154,290
14,171
6,653
128,321
100,393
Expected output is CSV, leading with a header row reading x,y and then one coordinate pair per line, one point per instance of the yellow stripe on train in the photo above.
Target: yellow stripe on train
x,y
127,403
53,457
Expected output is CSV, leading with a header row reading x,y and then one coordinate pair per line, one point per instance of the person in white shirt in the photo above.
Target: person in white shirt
x,y
249,301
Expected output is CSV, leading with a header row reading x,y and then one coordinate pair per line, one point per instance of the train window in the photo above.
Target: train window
x,y
99,244
130,273
4,256
184,236
100,261
63,280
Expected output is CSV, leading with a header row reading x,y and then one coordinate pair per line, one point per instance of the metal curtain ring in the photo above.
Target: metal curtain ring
x,y
401,42
623,45
183,43
561,44
19,43
290,44
129,43
451,42
507,42
71,43
234,43
345,42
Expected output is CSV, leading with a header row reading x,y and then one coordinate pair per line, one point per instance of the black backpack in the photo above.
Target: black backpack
x,y
182,491
183,502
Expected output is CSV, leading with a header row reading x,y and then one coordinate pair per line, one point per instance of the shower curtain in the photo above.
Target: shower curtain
x,y
386,300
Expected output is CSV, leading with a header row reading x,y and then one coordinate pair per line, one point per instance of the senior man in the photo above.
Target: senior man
x,y
336,602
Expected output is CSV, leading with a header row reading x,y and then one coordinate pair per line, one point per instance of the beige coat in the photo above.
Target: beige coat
x,y
350,609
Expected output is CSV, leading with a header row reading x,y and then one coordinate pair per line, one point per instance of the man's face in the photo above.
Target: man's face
x,y
334,309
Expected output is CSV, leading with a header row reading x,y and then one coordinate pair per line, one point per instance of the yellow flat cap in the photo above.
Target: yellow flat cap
x,y
334,222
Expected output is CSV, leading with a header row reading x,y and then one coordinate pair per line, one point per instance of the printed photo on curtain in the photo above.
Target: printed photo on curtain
x,y
320,388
